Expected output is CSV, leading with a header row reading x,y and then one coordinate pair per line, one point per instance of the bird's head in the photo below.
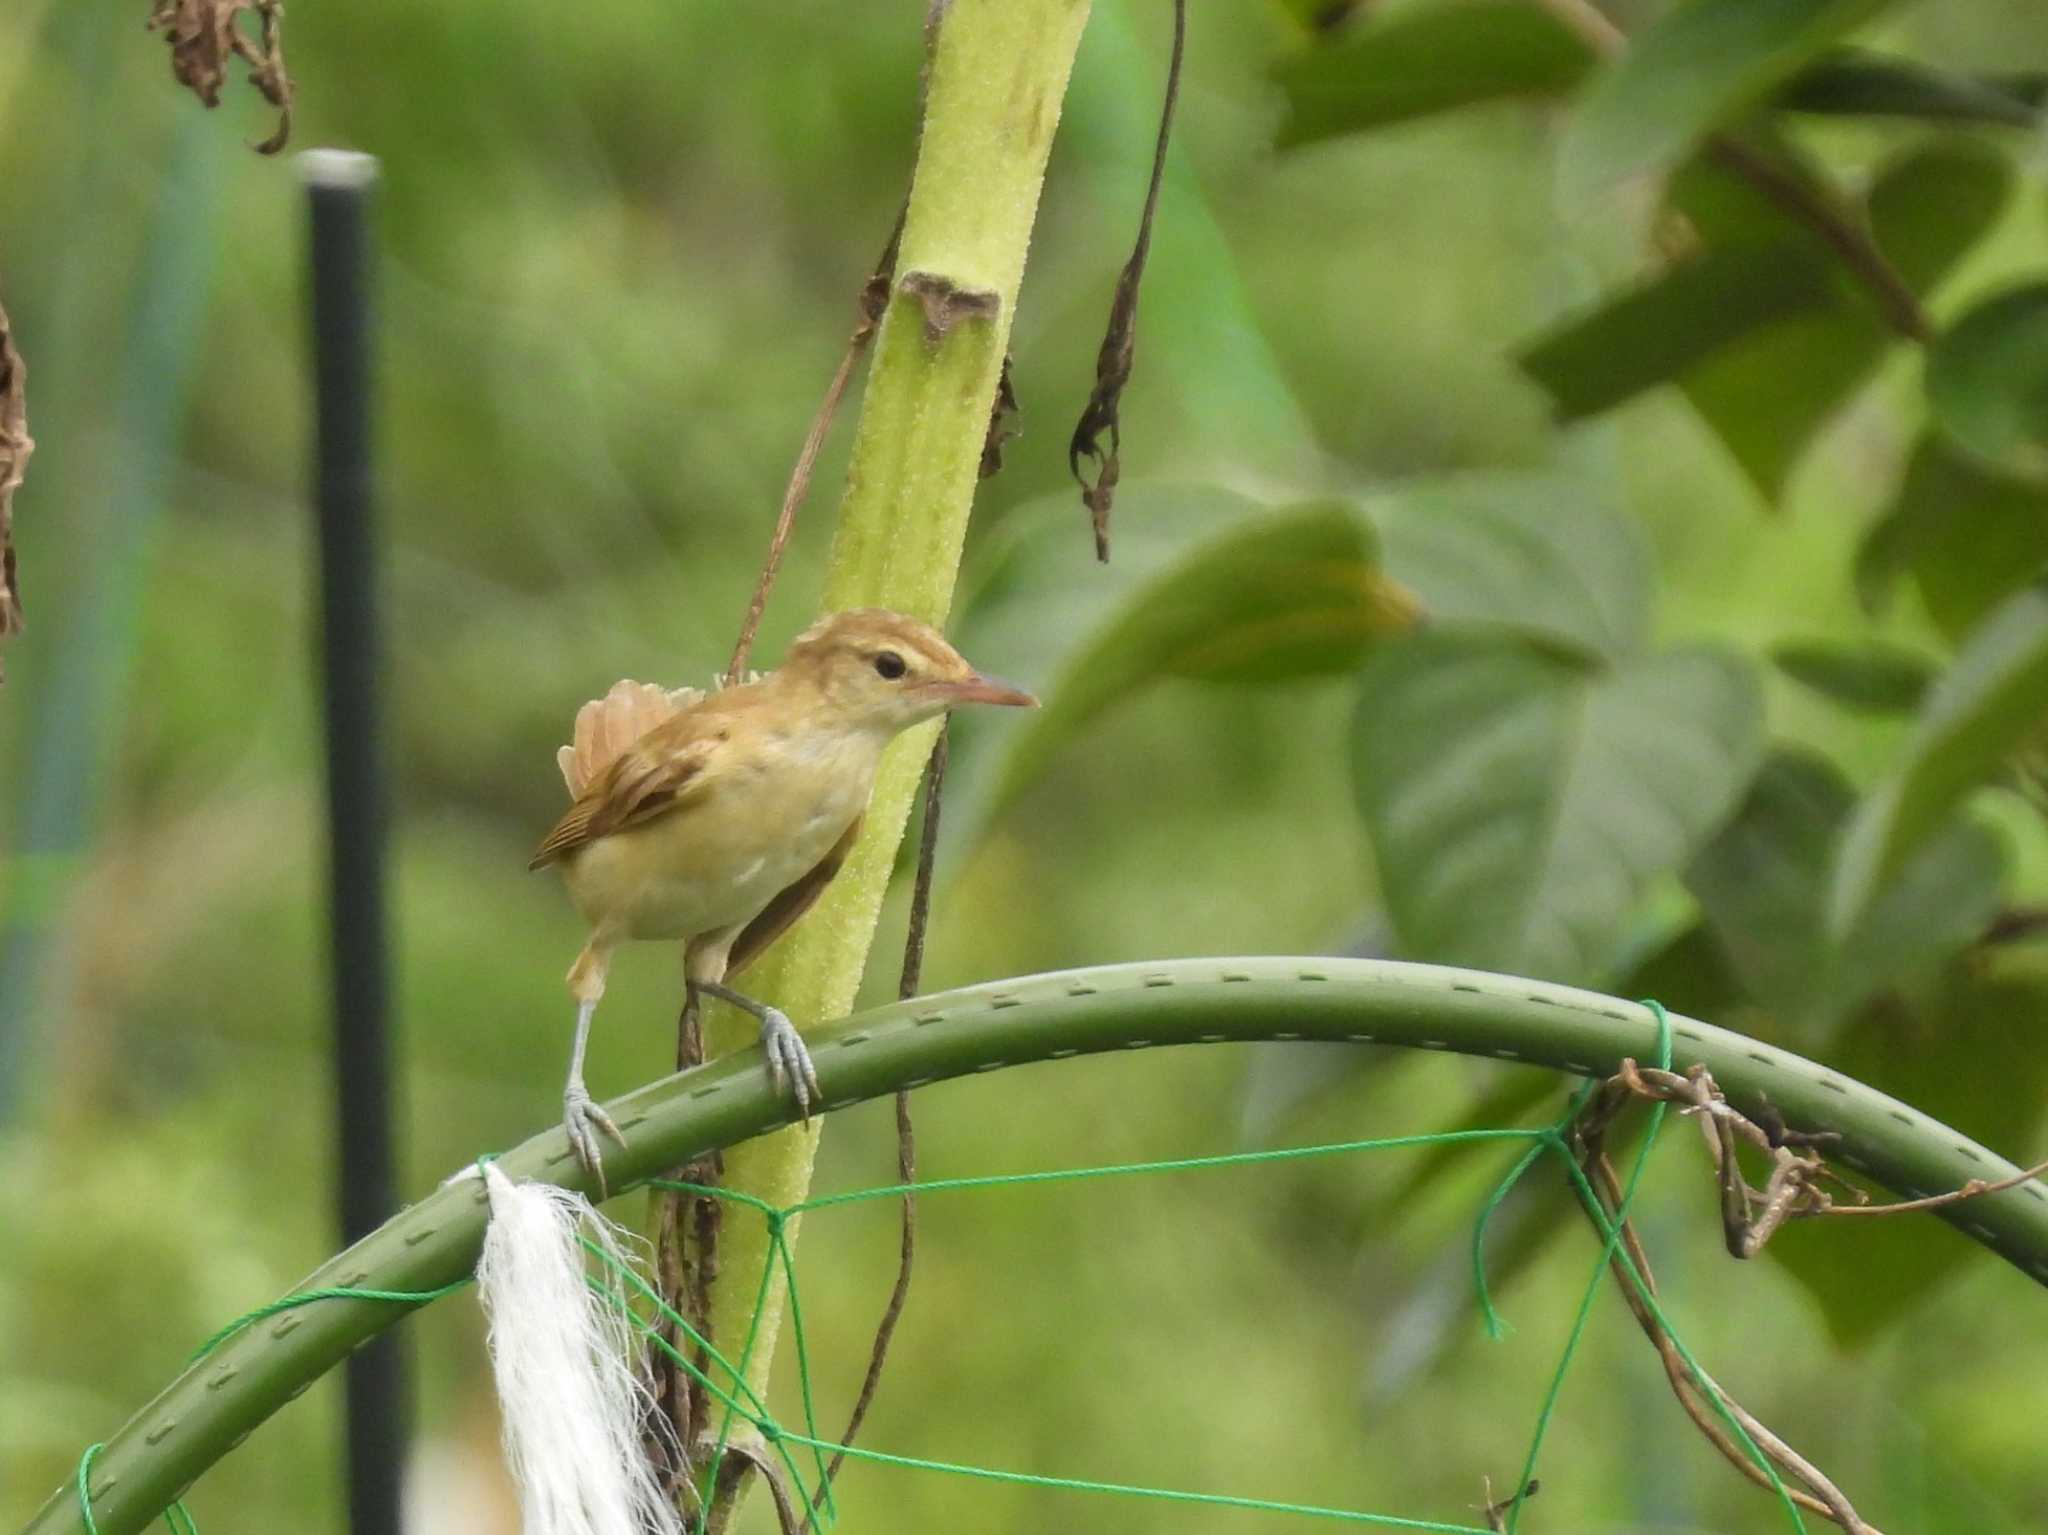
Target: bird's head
x,y
888,671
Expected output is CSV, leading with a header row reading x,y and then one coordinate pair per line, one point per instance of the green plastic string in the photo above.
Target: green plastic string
x,y
621,1285
328,1292
1158,1494
1585,1310
176,1519
717,1456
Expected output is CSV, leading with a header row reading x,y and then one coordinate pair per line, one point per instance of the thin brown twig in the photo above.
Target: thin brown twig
x,y
906,1136
1496,1512
1837,225
708,1223
1697,1391
15,447
1793,1190
683,1277
745,1455
1114,358
1750,1216
1970,1190
874,299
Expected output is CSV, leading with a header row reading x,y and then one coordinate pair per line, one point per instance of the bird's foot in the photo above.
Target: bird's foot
x,y
789,1061
583,1119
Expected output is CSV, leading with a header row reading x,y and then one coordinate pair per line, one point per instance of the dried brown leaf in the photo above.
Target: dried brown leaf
x,y
1002,422
1119,338
15,447
205,34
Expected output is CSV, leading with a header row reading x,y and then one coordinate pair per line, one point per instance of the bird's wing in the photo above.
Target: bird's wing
x,y
607,726
664,769
781,913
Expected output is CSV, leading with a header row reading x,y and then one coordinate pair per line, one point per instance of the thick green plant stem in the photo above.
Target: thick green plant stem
x,y
998,75
221,1397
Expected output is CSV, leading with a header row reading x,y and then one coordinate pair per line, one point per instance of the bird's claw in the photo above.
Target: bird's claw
x,y
789,1061
583,1119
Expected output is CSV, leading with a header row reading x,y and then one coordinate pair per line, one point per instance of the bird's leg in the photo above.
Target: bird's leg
x,y
581,1117
788,1060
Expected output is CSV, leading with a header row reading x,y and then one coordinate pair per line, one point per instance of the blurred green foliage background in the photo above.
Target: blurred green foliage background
x,y
620,247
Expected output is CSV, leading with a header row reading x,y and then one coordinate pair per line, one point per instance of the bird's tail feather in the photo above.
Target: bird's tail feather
x,y
607,726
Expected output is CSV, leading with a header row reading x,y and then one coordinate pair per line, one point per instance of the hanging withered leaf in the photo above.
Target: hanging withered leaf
x,y
205,34
15,447
1119,337
1002,422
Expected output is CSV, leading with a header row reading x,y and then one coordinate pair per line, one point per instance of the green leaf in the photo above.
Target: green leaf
x,y
1969,538
1929,207
1697,69
1768,396
1520,805
1762,885
1873,677
1971,1057
1987,379
1543,556
1690,973
1424,61
1659,331
1290,594
1858,83
1991,701
1763,331
1769,393
1726,206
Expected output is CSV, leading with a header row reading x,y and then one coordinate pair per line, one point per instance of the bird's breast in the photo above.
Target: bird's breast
x,y
720,859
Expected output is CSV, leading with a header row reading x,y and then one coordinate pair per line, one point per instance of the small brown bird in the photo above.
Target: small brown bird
x,y
719,818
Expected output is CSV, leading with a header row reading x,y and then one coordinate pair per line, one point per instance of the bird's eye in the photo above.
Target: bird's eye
x,y
890,665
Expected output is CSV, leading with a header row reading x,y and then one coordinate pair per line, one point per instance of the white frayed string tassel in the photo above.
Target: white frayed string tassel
x,y
573,1405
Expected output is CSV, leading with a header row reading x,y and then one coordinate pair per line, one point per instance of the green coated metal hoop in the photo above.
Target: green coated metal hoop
x,y
217,1401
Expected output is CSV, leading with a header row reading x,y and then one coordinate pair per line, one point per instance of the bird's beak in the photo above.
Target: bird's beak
x,y
979,689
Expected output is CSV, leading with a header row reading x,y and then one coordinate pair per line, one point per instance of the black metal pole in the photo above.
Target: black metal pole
x,y
339,186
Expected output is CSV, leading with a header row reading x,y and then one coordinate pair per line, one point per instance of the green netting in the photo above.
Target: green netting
x,y
802,1452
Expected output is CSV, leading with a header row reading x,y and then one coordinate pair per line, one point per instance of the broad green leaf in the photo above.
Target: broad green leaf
x,y
1656,333
1033,595
1769,393
1520,805
1969,538
1969,1056
1987,379
1762,885
1858,83
1689,973
1424,61
1764,331
1543,556
1726,206
1931,205
1873,676
1697,69
1992,701
1290,594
